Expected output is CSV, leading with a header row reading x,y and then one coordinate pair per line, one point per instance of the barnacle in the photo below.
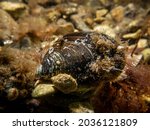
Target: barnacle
x,y
83,55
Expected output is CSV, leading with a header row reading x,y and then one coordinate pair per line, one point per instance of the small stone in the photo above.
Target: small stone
x,y
146,55
146,98
12,6
91,3
78,107
142,43
134,23
134,35
101,13
67,9
65,83
36,2
79,23
89,21
12,94
16,9
42,90
8,26
148,31
105,29
53,15
105,2
65,29
99,20
118,13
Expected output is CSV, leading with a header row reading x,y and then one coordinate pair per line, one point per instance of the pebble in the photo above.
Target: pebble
x,y
79,23
67,9
64,83
53,15
101,13
118,13
8,26
146,98
105,29
12,94
65,29
142,43
134,35
79,107
146,55
89,21
16,9
134,23
99,20
42,90
12,6
105,2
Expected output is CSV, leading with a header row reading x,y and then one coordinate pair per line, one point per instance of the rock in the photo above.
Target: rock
x,y
79,23
65,29
99,20
16,9
12,6
42,90
146,98
53,15
9,28
134,35
37,11
146,55
36,2
142,43
91,3
89,21
79,107
12,94
134,23
105,2
118,13
105,29
101,13
67,9
64,83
